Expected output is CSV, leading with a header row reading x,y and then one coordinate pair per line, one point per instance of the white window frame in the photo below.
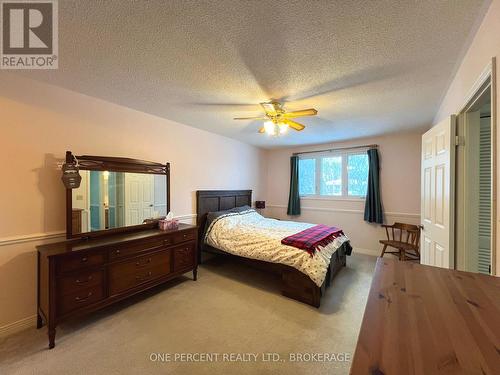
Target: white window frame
x,y
345,196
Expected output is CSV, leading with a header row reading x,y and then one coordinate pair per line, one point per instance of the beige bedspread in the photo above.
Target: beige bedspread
x,y
250,235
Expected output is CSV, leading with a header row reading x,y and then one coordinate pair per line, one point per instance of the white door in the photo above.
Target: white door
x,y
139,198
437,195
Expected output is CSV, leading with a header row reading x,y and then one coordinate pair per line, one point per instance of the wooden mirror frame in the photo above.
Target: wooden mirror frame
x,y
113,164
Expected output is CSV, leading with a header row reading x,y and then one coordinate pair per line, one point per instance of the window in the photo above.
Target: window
x,y
357,175
331,176
334,175
307,176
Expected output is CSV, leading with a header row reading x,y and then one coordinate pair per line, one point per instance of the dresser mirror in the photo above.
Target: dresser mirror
x,y
116,195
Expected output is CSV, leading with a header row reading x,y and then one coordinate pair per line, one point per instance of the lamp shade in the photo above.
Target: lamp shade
x,y
260,204
71,176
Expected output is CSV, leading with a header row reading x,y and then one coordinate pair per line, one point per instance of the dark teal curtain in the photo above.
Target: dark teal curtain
x,y
373,204
294,198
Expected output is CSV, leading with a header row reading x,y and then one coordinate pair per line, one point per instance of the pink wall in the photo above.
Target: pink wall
x,y
40,122
400,186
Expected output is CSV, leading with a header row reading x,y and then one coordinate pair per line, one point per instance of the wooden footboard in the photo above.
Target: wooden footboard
x,y
300,287
294,284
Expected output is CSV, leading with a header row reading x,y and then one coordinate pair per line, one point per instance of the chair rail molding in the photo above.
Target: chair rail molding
x,y
31,237
348,211
43,236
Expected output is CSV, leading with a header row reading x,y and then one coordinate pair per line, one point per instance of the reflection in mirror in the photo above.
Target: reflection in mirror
x,y
108,200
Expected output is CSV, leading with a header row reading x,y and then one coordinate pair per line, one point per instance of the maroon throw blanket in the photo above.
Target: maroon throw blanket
x,y
310,238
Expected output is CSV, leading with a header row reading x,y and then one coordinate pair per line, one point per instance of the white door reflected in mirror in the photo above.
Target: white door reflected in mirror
x,y
109,200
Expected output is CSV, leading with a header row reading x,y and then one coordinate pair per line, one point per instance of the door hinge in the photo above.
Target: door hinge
x,y
459,141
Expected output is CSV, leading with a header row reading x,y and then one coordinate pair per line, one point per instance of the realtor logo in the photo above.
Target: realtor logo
x,y
29,34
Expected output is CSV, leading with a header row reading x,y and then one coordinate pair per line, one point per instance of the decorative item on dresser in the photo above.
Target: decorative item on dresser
x,y
99,267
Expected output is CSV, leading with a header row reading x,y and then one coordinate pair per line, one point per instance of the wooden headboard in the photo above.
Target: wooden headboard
x,y
217,200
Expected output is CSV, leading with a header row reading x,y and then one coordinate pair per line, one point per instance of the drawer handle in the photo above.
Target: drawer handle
x,y
117,252
139,264
83,299
145,277
185,235
84,259
78,281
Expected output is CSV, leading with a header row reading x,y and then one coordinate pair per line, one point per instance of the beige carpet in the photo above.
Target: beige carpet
x,y
230,309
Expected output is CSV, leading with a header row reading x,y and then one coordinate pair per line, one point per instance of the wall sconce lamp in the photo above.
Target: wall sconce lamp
x,y
71,176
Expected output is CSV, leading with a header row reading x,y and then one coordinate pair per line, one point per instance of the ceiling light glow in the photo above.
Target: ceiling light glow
x,y
283,128
269,127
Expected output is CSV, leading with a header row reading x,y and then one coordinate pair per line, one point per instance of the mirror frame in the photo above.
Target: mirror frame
x,y
113,164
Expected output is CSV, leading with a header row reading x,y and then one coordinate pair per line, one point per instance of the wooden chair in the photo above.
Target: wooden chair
x,y
405,238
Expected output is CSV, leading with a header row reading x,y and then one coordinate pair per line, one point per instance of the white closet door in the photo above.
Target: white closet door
x,y
437,195
484,215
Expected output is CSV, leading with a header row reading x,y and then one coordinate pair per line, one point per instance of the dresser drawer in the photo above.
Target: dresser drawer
x,y
79,281
75,262
124,250
80,299
126,275
184,256
184,236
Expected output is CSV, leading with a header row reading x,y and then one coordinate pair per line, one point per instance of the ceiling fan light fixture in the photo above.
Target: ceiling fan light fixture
x,y
269,127
278,120
283,128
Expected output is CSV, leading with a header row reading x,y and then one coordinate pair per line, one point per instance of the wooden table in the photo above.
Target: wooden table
x,y
429,320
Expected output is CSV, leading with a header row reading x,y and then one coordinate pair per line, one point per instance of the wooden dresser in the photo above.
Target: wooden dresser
x,y
428,320
79,276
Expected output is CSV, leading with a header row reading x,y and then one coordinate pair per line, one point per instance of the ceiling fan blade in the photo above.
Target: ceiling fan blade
x,y
271,108
262,130
294,125
301,113
250,118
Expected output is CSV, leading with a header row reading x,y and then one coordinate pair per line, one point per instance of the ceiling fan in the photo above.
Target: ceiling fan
x,y
277,120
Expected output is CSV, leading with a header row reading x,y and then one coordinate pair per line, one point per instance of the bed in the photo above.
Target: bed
x,y
300,278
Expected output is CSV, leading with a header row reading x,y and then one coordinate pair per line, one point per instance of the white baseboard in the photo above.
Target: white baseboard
x,y
371,252
9,329
30,321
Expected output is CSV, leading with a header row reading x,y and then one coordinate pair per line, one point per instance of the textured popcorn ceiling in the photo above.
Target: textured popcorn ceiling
x,y
369,67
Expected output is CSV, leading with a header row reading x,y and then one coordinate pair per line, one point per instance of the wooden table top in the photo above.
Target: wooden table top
x,y
428,320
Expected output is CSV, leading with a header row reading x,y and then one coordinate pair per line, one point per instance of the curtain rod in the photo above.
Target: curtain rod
x,y
335,149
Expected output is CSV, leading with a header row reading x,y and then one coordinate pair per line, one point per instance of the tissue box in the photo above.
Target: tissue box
x,y
168,224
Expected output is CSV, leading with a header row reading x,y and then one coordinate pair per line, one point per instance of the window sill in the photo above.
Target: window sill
x,y
333,198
